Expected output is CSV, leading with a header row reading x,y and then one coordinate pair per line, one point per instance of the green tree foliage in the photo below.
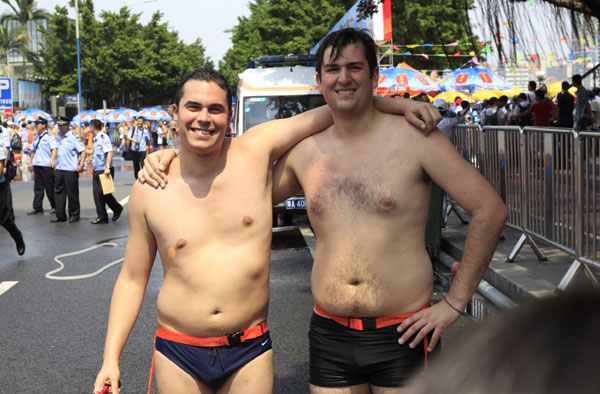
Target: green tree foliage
x,y
122,61
279,27
23,11
13,40
430,22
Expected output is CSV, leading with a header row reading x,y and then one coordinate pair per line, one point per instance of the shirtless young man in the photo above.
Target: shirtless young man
x,y
210,234
367,181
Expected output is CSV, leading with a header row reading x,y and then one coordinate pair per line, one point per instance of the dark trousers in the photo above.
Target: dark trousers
x,y
7,216
44,180
66,185
102,200
138,162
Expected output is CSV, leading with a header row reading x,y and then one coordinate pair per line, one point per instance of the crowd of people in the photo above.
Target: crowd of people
x,y
534,108
55,155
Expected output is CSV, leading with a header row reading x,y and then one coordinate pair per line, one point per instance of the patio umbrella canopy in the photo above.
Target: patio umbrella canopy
x,y
32,114
472,79
400,80
88,115
154,113
121,114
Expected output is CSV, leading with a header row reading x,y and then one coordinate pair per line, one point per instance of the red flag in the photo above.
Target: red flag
x,y
457,53
387,20
534,57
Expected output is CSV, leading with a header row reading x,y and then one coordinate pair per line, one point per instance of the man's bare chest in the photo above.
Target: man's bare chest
x,y
372,185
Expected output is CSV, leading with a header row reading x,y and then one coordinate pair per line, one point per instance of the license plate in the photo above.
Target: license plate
x,y
295,203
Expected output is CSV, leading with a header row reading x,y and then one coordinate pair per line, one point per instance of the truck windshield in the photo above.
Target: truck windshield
x,y
258,110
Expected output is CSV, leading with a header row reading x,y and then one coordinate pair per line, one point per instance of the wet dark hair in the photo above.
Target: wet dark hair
x,y
533,84
339,39
503,99
96,124
565,85
205,74
522,96
576,79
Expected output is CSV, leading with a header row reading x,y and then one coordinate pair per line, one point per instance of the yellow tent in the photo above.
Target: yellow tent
x,y
451,96
556,87
486,94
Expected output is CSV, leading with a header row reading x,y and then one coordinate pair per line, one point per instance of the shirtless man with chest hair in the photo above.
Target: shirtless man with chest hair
x,y
367,181
214,244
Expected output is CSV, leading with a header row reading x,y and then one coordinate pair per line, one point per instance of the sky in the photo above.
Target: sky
x,y
207,20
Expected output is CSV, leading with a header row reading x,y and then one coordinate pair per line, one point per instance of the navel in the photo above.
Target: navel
x,y
247,221
354,282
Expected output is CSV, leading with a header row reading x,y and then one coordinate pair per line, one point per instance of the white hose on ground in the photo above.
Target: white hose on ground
x,y
50,275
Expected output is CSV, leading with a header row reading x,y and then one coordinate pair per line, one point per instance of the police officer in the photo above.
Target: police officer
x,y
138,137
7,217
102,162
69,163
44,150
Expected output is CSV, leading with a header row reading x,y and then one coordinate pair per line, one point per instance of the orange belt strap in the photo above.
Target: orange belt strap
x,y
225,340
368,323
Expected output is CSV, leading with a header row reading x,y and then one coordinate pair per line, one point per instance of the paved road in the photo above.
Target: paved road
x,y
52,332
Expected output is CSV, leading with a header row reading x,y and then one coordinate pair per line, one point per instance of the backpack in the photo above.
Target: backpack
x,y
15,142
526,120
491,117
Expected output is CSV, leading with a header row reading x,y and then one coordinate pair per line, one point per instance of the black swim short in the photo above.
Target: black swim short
x,y
343,357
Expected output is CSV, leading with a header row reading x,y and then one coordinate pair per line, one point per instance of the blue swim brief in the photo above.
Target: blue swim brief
x,y
213,365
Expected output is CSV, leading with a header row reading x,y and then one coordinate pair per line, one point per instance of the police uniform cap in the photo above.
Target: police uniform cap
x,y
62,120
41,121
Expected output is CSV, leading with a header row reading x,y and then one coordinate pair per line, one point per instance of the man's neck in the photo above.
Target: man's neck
x,y
346,123
194,165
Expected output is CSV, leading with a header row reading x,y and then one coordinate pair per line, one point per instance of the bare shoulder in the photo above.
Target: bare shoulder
x,y
398,123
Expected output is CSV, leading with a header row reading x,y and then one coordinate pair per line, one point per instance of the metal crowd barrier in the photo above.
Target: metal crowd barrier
x,y
549,179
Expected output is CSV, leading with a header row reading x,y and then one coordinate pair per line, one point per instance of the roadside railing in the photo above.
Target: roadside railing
x,y
549,179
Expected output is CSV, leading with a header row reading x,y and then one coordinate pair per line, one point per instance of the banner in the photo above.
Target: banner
x,y
380,23
30,94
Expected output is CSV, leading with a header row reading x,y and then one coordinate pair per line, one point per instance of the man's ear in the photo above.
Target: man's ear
x,y
375,78
318,79
175,112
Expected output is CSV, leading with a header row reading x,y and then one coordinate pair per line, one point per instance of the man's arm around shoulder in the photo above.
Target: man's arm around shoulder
x,y
129,290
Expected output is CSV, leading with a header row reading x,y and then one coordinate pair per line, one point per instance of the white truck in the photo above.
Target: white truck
x,y
278,88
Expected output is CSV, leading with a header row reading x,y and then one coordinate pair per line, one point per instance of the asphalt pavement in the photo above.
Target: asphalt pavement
x,y
52,331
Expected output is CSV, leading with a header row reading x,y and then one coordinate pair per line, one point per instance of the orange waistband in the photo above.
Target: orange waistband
x,y
367,323
226,340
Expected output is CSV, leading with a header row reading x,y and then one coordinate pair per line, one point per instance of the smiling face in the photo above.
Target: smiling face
x,y
345,81
202,115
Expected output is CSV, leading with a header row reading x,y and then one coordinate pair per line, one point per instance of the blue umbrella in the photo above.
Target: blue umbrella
x,y
155,113
121,114
88,115
32,114
472,79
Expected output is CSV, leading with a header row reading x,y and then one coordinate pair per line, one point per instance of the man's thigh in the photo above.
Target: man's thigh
x,y
254,377
170,378
358,389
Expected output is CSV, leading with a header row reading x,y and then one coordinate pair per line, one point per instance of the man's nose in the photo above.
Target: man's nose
x,y
344,75
203,116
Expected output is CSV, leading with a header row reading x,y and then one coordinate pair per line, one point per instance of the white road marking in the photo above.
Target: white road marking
x,y
5,286
123,202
